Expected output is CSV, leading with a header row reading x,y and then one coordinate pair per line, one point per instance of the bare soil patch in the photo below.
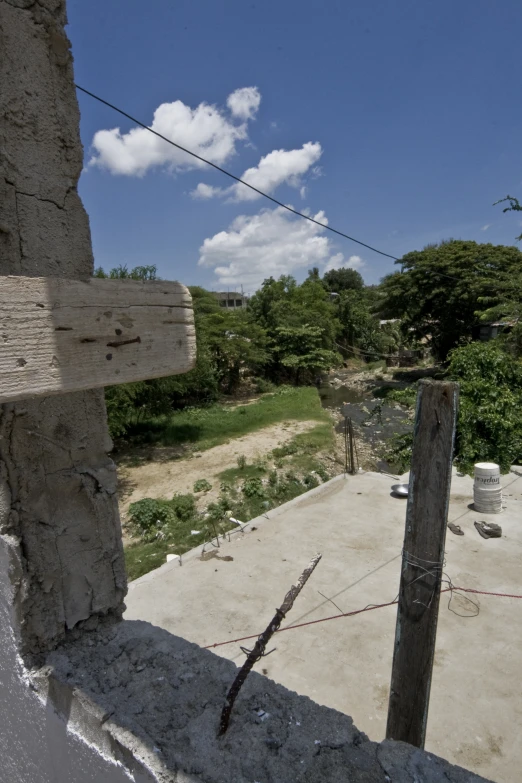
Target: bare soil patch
x,y
169,473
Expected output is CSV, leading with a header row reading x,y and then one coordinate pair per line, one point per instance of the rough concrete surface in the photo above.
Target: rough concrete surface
x,y
162,697
475,712
57,504
36,744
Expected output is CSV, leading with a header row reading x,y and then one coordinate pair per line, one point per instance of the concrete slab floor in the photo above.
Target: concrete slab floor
x,y
475,717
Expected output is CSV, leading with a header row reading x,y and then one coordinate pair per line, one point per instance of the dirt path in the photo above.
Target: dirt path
x,y
163,477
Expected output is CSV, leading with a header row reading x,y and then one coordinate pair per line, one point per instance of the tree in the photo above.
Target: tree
x,y
121,272
289,312
360,327
514,206
301,349
344,279
235,343
314,274
445,290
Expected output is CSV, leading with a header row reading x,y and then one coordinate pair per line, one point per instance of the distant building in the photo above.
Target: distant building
x,y
485,332
231,299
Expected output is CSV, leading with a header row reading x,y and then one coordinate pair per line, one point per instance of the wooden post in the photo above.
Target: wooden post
x,y
352,460
422,563
346,444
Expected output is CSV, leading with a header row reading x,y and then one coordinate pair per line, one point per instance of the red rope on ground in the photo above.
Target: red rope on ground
x,y
357,611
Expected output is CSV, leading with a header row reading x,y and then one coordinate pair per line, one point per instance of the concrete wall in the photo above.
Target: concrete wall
x,y
36,744
58,507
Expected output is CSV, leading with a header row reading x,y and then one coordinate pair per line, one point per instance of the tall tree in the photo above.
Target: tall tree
x,y
300,322
445,290
344,279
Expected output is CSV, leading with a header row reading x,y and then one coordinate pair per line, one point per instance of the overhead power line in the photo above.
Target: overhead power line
x,y
233,176
242,181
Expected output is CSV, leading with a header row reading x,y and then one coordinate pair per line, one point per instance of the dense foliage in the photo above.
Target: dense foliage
x,y
445,290
289,333
489,425
490,410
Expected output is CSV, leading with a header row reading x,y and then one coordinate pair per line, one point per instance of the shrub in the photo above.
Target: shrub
x,y
184,506
406,397
286,450
322,473
253,487
489,421
262,385
202,485
148,517
241,462
398,452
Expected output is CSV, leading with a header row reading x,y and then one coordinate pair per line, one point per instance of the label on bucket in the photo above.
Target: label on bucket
x,y
487,480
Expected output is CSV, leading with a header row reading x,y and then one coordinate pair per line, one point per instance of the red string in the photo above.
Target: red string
x,y
357,611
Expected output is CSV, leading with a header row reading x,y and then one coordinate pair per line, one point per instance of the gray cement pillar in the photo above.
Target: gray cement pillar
x,y
58,508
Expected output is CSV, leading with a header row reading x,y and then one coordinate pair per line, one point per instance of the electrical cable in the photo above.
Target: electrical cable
x,y
242,181
232,176
451,589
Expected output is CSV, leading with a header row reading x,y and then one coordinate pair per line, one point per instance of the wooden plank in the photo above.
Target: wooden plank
x,y
422,563
59,335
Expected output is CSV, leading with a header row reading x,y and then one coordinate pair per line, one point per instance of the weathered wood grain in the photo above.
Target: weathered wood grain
x,y
59,335
422,563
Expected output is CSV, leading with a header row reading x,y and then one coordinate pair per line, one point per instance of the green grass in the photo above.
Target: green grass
x,y
231,475
142,558
216,424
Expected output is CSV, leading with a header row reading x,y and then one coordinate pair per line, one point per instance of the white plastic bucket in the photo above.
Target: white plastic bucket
x,y
487,500
487,469
487,492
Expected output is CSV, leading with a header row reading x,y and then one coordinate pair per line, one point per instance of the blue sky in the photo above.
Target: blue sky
x,y
403,118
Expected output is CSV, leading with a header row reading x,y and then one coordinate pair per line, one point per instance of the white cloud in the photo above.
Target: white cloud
x,y
339,262
205,130
302,192
485,228
205,191
244,103
272,170
271,243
